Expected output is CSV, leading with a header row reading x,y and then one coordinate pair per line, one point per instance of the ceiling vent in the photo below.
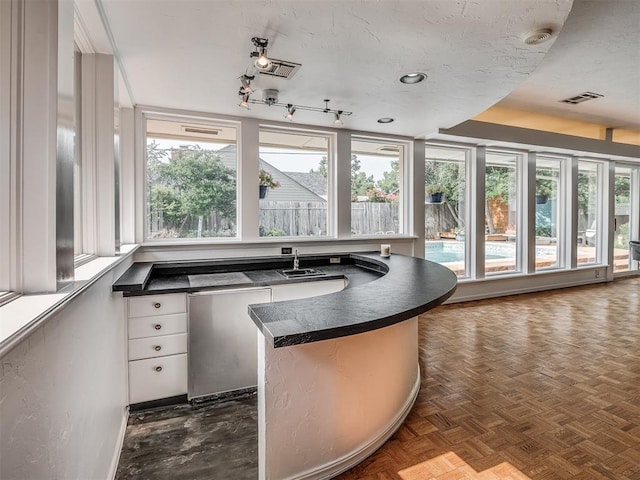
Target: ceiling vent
x,y
200,130
389,148
281,69
583,97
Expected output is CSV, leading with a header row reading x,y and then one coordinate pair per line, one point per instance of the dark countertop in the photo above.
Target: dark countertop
x,y
380,291
410,287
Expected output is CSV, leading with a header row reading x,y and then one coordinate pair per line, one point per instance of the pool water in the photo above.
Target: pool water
x,y
441,252
445,256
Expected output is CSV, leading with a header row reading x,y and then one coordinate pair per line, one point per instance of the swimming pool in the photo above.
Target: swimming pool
x,y
447,252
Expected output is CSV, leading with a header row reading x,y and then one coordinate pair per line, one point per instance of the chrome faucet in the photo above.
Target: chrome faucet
x,y
296,262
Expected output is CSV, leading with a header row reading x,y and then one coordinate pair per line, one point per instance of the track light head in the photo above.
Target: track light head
x,y
262,61
244,101
290,111
337,122
246,83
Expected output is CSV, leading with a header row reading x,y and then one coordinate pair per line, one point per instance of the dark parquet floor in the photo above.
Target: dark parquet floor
x,y
540,386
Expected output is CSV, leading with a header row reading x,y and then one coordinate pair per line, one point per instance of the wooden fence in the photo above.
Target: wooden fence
x,y
308,219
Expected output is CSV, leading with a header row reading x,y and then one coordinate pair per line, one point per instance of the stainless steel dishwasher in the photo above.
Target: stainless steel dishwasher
x,y
223,341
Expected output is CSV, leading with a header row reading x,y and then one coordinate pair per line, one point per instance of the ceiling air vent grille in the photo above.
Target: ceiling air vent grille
x,y
200,130
389,148
281,69
583,97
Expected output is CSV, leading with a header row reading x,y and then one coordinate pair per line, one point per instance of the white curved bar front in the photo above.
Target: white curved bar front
x,y
323,407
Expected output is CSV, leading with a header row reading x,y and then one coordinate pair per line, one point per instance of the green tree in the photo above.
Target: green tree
x,y
390,182
361,183
322,168
189,182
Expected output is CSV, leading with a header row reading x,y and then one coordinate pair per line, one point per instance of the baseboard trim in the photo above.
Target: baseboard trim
x,y
344,463
119,443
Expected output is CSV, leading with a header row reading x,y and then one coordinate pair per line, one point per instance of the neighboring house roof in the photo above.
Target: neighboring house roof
x,y
290,190
316,182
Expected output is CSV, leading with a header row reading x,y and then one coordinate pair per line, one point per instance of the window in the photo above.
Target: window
x,y
621,221
191,171
502,245
446,207
548,221
294,187
589,218
376,187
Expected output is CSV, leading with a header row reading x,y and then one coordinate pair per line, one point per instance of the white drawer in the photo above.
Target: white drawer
x,y
155,326
159,346
157,378
148,305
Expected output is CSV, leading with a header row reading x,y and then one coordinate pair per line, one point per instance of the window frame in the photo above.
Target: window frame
x,y
142,199
601,228
331,176
521,201
405,203
468,236
563,218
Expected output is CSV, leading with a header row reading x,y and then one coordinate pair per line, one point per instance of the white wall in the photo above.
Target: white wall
x,y
63,391
325,406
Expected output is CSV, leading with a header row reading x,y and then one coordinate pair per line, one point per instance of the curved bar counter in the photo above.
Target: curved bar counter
x,y
337,373
349,375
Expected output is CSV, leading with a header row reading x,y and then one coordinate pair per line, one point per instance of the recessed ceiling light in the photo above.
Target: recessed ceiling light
x,y
539,36
411,78
386,120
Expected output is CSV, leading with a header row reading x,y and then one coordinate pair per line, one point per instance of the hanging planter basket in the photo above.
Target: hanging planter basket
x,y
263,191
434,198
542,199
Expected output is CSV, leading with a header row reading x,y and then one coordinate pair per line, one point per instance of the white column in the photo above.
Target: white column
x,y
477,207
529,214
98,154
342,180
127,176
248,169
37,81
416,173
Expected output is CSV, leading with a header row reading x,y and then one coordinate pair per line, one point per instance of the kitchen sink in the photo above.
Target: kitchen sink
x,y
301,272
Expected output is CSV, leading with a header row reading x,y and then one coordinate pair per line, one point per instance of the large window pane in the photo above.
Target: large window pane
x,y
294,168
622,196
548,198
376,187
589,221
501,213
445,214
191,180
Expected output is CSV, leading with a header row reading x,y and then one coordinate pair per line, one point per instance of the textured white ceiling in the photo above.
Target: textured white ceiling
x,y
598,50
189,54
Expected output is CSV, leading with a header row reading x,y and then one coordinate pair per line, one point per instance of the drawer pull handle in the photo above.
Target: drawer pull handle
x,y
157,304
157,326
158,369
157,348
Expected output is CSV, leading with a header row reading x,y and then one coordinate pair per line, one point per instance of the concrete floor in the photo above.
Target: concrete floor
x,y
216,441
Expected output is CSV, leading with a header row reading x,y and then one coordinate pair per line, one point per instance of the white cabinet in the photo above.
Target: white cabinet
x,y
296,291
223,340
148,305
157,331
156,378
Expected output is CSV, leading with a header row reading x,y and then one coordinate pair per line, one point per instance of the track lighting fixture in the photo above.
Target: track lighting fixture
x,y
269,95
290,111
260,54
246,83
337,122
270,99
244,101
